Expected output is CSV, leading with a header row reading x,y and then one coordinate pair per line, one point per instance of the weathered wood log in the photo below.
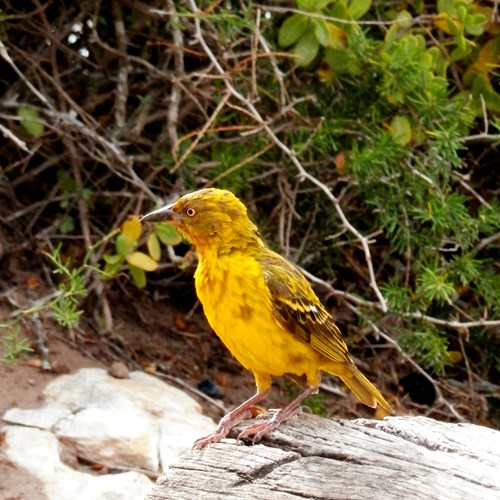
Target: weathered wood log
x,y
314,457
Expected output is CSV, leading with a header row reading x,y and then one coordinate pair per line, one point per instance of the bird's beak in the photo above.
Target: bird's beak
x,y
164,214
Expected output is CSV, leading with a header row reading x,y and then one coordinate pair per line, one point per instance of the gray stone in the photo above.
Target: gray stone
x,y
42,418
38,451
134,423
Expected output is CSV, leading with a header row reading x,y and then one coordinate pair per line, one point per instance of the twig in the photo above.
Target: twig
x,y
121,92
305,239
18,142
201,133
44,350
485,242
484,135
349,296
468,187
278,73
88,126
117,154
467,367
240,164
254,93
12,64
452,323
176,91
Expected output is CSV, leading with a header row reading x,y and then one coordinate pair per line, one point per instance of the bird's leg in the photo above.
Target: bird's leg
x,y
242,412
258,430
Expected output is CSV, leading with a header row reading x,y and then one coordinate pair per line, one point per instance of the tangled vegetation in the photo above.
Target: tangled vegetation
x,y
363,135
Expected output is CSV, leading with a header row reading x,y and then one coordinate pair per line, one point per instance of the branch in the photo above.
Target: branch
x,y
18,142
121,92
484,135
453,323
176,92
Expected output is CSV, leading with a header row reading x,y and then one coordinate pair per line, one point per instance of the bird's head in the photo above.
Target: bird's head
x,y
212,219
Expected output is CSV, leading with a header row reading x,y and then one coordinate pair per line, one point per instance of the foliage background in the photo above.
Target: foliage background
x,y
362,135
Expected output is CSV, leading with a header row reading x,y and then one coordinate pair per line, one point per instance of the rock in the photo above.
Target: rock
x,y
126,438
134,423
38,451
41,418
118,370
126,422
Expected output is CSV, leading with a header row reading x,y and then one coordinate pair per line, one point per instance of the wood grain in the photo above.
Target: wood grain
x,y
314,457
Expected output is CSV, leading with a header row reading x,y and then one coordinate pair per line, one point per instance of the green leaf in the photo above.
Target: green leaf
x,y
167,234
122,246
428,347
404,19
321,32
329,35
435,287
138,275
292,29
462,49
313,5
398,297
67,224
474,24
30,121
113,259
447,6
306,49
461,13
439,62
111,269
391,35
358,8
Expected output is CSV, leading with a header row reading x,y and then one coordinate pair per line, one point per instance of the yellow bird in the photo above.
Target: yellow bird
x,y
261,307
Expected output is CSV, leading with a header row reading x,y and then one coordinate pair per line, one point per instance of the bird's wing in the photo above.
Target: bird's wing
x,y
297,308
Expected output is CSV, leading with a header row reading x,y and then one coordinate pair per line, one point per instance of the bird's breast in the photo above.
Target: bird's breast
x,y
237,304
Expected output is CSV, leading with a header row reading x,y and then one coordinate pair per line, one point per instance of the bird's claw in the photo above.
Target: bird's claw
x,y
223,429
258,431
215,437
220,432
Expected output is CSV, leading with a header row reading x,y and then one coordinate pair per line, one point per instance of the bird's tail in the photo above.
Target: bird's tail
x,y
364,390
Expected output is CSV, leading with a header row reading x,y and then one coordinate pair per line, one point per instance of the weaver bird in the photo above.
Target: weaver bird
x,y
261,307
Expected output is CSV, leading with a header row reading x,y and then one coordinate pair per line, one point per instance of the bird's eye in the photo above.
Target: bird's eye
x,y
190,211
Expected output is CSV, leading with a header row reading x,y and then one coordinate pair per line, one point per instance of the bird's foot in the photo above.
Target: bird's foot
x,y
257,431
223,429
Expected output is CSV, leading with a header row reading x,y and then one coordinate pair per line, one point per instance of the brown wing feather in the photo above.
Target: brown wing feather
x,y
297,308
